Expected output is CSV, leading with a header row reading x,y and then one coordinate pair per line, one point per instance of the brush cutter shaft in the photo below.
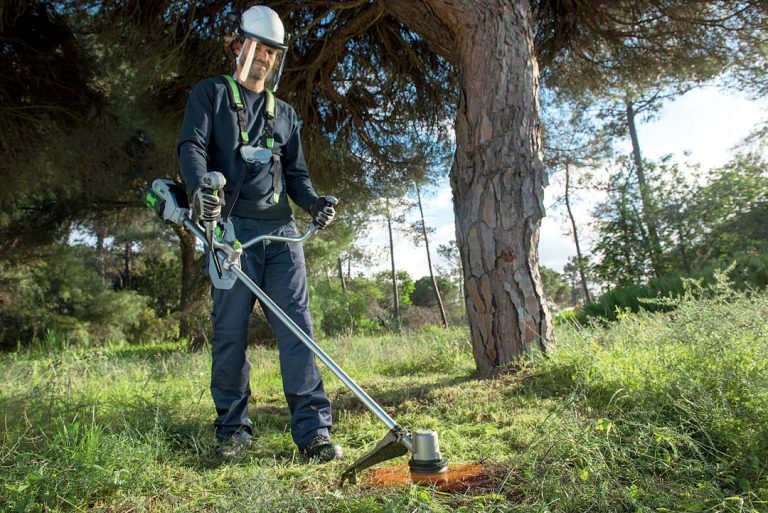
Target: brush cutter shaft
x,y
230,266
359,392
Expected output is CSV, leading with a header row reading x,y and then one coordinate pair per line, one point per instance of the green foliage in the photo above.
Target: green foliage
x,y
160,280
424,295
622,242
701,227
555,286
566,317
726,217
596,47
61,299
356,311
686,396
748,269
620,300
366,307
572,272
405,287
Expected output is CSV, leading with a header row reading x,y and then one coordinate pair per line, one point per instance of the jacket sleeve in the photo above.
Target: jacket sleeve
x,y
196,134
297,181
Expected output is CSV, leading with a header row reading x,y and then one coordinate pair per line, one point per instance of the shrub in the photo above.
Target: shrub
x,y
747,269
69,304
630,299
354,312
424,295
566,317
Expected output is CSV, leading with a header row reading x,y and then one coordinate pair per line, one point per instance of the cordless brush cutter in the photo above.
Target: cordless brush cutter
x,y
169,202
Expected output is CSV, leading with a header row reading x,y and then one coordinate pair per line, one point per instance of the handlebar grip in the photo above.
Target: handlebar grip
x,y
213,181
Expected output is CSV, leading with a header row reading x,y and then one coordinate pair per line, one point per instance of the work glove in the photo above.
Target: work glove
x,y
322,212
206,206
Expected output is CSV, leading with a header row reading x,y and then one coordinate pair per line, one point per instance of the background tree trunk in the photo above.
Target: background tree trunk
x,y
649,214
128,266
497,175
395,292
582,274
192,291
101,252
429,261
341,275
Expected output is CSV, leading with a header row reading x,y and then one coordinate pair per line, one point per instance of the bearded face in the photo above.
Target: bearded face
x,y
255,61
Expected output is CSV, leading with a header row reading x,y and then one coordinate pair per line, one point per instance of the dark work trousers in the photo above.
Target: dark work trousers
x,y
278,269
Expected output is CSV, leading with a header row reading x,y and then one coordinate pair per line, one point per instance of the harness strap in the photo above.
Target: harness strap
x,y
236,101
277,182
269,134
269,129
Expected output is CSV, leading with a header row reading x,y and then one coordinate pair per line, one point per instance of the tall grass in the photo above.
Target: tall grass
x,y
674,406
656,412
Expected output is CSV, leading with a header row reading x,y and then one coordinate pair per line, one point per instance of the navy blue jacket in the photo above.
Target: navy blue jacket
x,y
209,141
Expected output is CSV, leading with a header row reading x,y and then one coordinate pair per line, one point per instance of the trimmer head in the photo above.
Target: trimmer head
x,y
426,459
391,446
426,465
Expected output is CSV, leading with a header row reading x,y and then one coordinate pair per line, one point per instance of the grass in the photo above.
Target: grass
x,y
656,412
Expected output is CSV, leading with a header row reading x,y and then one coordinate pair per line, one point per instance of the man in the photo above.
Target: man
x,y
236,126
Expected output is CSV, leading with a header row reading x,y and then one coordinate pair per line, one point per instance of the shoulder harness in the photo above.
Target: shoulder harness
x,y
236,101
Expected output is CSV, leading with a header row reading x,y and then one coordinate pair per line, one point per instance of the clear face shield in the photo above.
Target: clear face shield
x,y
258,61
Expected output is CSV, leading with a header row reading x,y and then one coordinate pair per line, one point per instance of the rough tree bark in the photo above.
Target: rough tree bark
x,y
497,175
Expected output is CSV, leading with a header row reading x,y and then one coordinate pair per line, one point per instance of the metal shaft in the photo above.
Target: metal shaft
x,y
306,340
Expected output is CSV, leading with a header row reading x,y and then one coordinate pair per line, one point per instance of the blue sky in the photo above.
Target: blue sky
x,y
706,123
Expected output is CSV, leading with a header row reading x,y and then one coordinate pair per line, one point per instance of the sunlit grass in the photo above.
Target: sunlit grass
x,y
663,412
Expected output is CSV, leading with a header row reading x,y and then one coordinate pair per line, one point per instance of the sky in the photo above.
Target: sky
x,y
701,126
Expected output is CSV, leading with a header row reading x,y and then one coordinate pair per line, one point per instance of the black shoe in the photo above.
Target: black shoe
x,y
322,449
232,447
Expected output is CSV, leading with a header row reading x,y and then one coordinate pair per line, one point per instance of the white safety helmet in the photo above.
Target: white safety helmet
x,y
261,26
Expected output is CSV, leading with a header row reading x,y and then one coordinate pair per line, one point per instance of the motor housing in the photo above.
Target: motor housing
x,y
426,459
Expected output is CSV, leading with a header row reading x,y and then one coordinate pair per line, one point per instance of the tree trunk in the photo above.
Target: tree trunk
x,y
645,194
341,275
682,238
429,261
128,272
101,253
191,291
394,271
580,260
497,175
